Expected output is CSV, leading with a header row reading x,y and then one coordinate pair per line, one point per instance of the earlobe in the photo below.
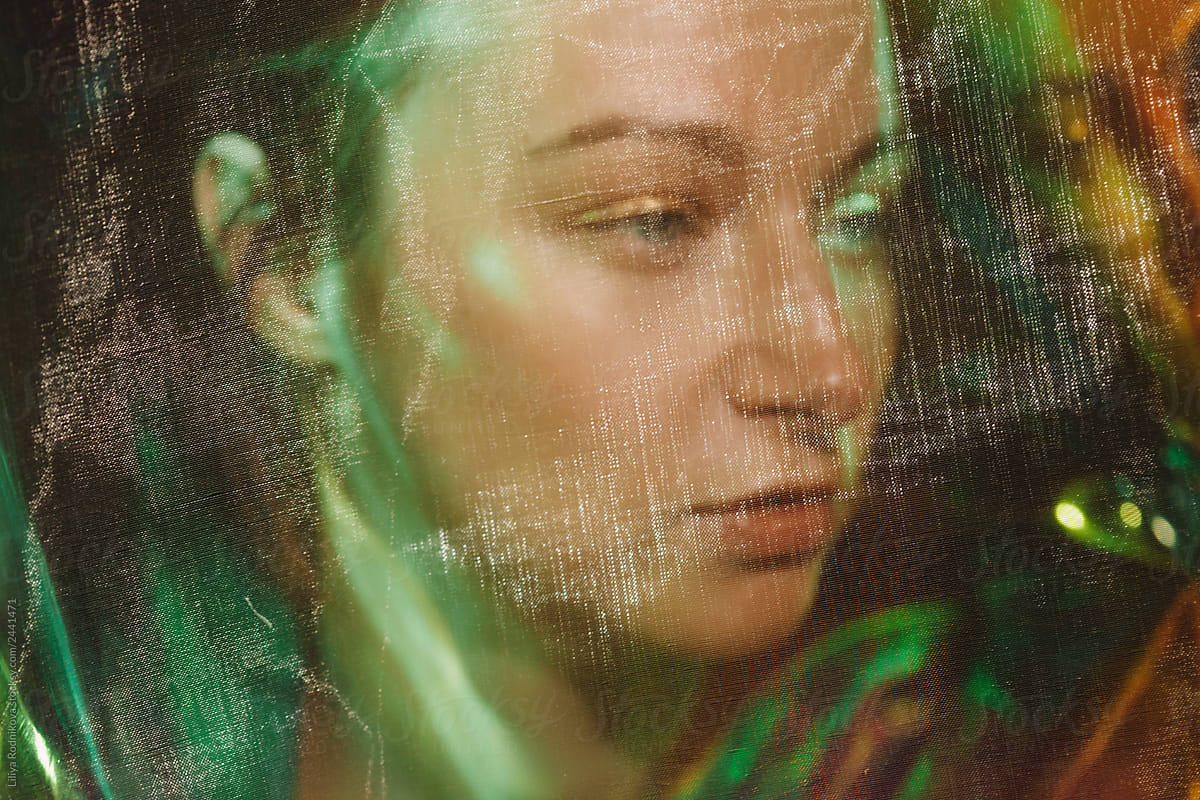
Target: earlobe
x,y
292,328
229,193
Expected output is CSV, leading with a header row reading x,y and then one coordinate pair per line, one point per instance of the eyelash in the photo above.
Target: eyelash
x,y
855,219
850,223
658,221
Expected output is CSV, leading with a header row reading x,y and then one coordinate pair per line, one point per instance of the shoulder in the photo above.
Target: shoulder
x,y
1131,732
1146,744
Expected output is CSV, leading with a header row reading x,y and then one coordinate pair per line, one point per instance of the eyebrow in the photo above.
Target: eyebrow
x,y
711,138
849,164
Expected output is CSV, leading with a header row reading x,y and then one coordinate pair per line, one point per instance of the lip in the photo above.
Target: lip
x,y
774,529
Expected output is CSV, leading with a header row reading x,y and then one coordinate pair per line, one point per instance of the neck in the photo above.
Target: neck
x,y
606,713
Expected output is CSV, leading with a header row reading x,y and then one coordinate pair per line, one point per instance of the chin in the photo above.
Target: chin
x,y
736,615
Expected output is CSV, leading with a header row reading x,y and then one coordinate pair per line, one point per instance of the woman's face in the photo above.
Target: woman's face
x,y
625,297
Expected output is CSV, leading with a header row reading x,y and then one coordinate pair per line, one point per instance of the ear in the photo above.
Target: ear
x,y
229,192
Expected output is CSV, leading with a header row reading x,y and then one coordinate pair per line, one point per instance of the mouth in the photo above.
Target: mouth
x,y
779,528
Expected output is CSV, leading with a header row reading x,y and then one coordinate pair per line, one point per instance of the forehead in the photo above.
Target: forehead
x,y
781,71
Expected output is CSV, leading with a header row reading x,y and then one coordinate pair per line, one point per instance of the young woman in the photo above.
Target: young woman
x,y
638,400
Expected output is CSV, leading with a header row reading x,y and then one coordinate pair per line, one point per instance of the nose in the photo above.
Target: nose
x,y
817,383
796,357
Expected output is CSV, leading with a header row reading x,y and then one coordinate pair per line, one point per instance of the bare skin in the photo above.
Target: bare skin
x,y
621,374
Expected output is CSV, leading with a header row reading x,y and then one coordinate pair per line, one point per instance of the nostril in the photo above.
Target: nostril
x,y
767,405
798,421
813,398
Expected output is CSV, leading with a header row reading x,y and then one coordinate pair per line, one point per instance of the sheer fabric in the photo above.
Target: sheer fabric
x,y
631,399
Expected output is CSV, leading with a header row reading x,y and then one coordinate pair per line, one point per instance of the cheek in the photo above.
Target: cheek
x,y
869,303
539,389
540,320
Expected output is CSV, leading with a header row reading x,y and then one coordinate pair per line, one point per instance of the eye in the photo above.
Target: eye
x,y
658,221
853,222
659,227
